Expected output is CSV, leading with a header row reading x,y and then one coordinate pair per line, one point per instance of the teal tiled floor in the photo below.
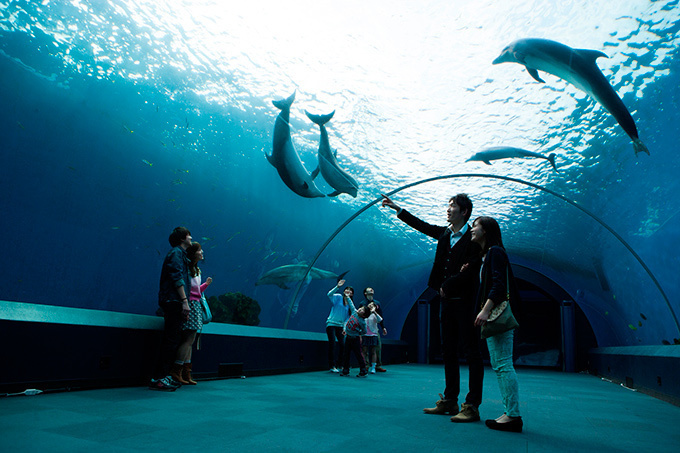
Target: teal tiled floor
x,y
324,412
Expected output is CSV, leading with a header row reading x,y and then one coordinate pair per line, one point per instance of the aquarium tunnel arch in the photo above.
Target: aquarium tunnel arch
x,y
552,193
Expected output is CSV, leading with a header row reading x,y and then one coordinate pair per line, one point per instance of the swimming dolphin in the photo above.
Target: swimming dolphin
x,y
576,66
286,160
336,177
290,273
504,152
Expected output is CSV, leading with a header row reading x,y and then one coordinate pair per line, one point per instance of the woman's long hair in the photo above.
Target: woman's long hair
x,y
492,232
192,251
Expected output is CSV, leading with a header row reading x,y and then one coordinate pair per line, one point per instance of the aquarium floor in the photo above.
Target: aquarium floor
x,y
321,411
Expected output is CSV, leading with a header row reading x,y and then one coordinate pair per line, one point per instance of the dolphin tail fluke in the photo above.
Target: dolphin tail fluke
x,y
551,159
639,146
320,119
285,103
341,276
334,193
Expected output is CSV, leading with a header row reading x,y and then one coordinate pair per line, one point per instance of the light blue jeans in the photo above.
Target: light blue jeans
x,y
500,353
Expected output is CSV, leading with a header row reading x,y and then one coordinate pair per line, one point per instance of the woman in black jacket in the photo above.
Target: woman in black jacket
x,y
498,286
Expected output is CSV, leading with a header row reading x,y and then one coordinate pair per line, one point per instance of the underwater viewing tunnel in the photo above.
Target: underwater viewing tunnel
x,y
271,136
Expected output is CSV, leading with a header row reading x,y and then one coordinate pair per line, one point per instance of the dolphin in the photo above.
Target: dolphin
x,y
336,177
290,273
286,160
505,152
576,66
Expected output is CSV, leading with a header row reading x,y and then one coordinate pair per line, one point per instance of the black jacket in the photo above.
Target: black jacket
x,y
496,272
448,261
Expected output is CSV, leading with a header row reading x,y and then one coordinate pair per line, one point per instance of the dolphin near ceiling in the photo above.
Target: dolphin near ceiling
x,y
335,176
507,152
290,273
286,160
576,66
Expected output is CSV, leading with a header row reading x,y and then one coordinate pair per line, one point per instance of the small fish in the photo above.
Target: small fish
x,y
206,238
115,228
639,323
128,129
632,327
643,316
177,182
147,162
233,236
20,125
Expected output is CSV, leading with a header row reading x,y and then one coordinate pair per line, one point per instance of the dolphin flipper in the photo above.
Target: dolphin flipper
x,y
534,73
315,173
487,162
551,159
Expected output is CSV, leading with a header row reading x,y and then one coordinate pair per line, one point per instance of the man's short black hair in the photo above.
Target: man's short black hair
x,y
178,235
464,203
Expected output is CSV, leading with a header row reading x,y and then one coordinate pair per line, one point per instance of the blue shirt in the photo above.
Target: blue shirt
x,y
455,237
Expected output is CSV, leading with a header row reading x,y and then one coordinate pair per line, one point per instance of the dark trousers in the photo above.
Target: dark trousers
x,y
353,344
459,335
335,334
172,335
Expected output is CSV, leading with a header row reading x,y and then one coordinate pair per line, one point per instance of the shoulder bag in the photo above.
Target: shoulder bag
x,y
205,308
501,318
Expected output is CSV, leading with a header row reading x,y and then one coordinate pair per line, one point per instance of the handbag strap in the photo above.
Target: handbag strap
x,y
507,284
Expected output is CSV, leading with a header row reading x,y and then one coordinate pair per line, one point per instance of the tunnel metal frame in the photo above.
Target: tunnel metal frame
x,y
484,176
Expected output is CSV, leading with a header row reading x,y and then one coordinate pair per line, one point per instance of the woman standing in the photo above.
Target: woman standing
x,y
195,320
496,276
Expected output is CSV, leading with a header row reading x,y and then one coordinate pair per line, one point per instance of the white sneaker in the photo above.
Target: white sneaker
x,y
334,370
372,370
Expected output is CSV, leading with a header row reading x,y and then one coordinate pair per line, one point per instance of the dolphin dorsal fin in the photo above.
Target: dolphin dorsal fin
x,y
591,55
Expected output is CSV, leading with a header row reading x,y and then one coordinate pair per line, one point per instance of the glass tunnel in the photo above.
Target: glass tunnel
x,y
122,120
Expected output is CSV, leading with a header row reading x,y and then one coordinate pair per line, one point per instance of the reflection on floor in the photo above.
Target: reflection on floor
x,y
322,411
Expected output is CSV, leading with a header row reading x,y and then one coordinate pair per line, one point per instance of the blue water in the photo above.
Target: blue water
x,y
121,120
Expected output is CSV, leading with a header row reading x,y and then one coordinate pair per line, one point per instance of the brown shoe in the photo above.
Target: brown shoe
x,y
443,407
468,413
380,369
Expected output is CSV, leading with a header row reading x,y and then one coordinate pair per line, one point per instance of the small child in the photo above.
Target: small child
x,y
354,328
370,340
